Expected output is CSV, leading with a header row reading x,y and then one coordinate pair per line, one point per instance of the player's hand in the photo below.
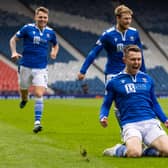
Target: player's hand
x,y
166,123
53,55
104,122
16,56
80,76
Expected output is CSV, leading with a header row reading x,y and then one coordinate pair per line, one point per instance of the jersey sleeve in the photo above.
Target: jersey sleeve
x,y
93,54
21,33
54,40
107,101
156,106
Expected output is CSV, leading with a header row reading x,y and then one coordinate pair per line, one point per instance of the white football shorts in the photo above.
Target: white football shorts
x,y
147,131
35,77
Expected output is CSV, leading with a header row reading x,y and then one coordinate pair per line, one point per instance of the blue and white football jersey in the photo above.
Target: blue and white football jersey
x,y
134,97
113,42
36,45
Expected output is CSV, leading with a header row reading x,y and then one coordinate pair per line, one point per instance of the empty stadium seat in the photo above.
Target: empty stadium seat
x,y
8,79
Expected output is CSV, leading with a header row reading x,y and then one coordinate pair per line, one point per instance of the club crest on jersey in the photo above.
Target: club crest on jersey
x,y
130,88
144,80
132,38
48,35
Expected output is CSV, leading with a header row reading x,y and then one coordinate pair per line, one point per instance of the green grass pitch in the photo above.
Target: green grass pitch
x,y
70,125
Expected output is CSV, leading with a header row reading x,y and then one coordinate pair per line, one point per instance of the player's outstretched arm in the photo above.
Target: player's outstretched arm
x,y
106,105
54,51
93,54
14,54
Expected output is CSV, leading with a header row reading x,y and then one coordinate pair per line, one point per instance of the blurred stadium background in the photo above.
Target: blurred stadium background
x,y
78,24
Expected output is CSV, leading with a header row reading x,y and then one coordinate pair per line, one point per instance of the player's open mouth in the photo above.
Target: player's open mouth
x,y
135,68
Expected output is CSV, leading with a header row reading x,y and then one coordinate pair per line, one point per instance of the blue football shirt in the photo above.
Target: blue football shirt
x,y
35,45
113,41
134,97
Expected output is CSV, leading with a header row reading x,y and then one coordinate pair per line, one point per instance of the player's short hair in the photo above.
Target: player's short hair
x,y
131,47
42,9
119,10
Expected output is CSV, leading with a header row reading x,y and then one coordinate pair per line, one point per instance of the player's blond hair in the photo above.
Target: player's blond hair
x,y
119,10
131,47
42,9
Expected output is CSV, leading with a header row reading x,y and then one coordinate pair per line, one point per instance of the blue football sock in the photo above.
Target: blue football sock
x,y
150,152
121,151
38,108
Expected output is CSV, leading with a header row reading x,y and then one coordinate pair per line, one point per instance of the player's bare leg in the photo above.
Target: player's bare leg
x,y
24,97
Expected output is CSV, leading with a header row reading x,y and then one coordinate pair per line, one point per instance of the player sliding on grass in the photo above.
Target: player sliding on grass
x,y
32,69
133,93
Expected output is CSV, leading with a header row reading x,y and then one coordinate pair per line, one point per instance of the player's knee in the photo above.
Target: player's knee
x,y
39,93
164,152
134,153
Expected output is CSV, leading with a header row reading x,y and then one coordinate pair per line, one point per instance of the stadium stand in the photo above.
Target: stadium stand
x,y
88,87
65,82
83,41
8,79
87,8
160,77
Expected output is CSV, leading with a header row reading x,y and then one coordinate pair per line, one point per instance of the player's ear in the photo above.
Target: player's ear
x,y
124,59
